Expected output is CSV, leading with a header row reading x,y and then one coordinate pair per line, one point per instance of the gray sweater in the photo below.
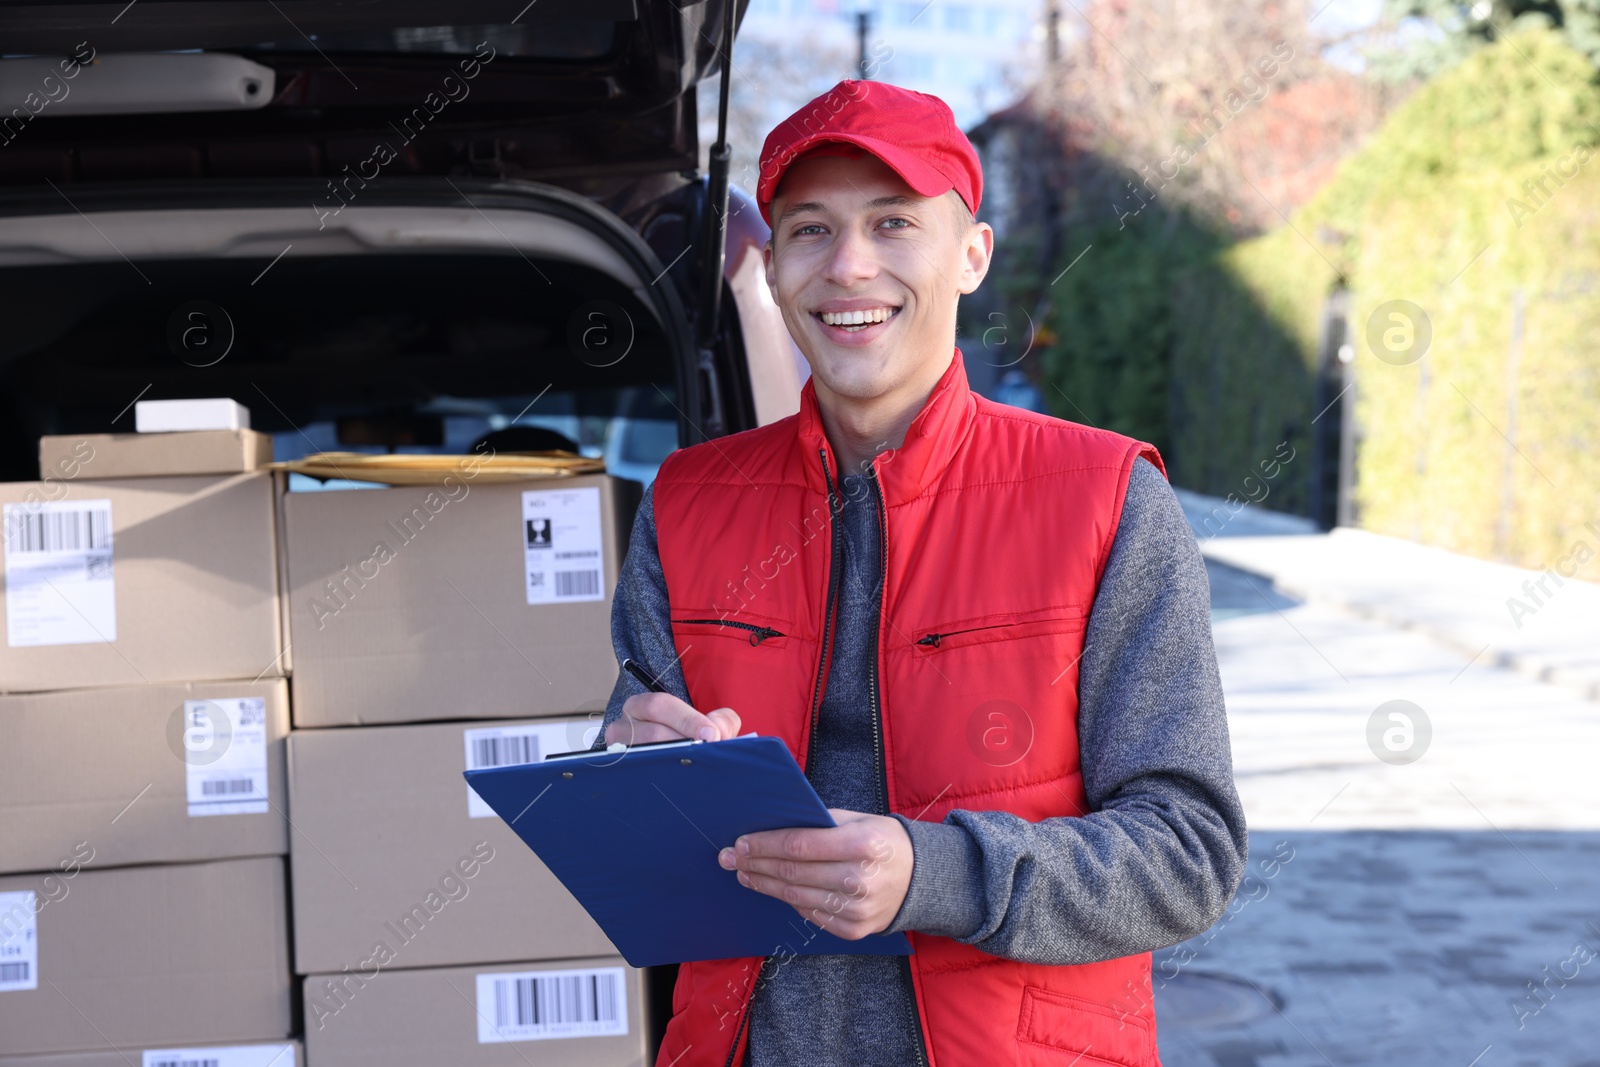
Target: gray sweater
x,y
1154,863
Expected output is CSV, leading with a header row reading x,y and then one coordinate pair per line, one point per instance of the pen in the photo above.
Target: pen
x,y
644,676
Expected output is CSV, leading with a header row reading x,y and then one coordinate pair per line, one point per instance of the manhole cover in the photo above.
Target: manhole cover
x,y
1199,998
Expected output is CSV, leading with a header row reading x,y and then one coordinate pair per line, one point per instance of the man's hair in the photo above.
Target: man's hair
x,y
963,214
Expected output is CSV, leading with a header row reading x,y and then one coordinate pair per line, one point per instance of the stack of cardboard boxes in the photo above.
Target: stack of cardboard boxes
x,y
143,895
435,629
163,632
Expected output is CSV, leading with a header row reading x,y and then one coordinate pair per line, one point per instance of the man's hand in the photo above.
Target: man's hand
x,y
663,717
850,879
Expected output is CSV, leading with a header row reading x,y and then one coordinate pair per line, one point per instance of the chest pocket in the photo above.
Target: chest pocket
x,y
991,629
999,691
753,630
753,664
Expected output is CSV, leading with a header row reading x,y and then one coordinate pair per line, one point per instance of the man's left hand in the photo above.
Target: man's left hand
x,y
849,879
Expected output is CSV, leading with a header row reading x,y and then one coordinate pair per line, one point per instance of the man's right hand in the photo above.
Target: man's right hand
x,y
663,717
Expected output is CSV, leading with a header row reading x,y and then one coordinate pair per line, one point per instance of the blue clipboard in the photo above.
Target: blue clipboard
x,y
634,835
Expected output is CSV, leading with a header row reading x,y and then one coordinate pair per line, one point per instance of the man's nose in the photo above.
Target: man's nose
x,y
851,259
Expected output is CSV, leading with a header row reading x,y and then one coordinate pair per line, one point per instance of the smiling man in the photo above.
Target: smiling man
x,y
983,632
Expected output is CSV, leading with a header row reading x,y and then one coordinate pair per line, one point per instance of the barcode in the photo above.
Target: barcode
x,y
14,972
184,1063
58,531
509,751
228,787
252,711
577,583
590,554
555,1000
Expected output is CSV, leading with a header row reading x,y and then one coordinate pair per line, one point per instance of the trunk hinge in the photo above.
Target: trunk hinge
x,y
714,240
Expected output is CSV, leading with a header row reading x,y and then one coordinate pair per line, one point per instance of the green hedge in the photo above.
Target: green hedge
x,y
1441,183
1113,326
1244,366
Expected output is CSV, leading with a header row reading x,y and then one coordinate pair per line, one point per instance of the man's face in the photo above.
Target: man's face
x,y
867,273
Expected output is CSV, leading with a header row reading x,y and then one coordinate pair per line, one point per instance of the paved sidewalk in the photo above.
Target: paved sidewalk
x,y
1538,623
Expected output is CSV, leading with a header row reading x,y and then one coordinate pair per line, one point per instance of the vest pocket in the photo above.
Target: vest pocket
x,y
1097,1035
932,639
756,631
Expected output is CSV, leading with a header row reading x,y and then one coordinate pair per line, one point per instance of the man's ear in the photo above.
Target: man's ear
x,y
977,253
772,275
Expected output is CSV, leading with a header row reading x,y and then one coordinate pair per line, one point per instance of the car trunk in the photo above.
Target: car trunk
x,y
422,316
391,152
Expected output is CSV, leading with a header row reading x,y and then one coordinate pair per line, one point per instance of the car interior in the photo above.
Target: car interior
x,y
361,349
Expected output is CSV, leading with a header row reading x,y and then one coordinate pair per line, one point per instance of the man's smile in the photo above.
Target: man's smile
x,y
856,320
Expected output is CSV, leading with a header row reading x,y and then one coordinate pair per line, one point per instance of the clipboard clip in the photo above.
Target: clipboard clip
x,y
622,746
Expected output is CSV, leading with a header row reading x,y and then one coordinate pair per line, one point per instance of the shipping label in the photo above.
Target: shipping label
x,y
274,1055
225,755
59,584
511,746
561,535
19,941
539,1005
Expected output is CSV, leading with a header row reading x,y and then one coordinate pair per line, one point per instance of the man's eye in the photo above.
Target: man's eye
x,y
810,226
896,223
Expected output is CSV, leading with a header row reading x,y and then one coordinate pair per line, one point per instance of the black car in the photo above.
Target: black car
x,y
375,231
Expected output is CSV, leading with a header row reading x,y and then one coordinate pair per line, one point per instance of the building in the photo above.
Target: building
x,y
974,54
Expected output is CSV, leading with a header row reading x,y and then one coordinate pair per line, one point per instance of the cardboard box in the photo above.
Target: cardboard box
x,y
143,455
143,774
387,851
183,954
469,1016
270,1054
141,581
459,601
169,416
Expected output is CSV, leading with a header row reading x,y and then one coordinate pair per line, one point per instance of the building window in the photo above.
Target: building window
x,y
958,18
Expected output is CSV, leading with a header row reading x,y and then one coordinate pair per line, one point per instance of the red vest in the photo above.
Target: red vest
x,y
996,525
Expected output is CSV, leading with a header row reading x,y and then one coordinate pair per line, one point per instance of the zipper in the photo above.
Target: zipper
x,y
827,614
745,1018
758,634
816,701
877,725
934,639
872,678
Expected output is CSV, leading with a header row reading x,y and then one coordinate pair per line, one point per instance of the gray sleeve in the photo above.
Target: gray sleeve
x,y
1163,847
641,620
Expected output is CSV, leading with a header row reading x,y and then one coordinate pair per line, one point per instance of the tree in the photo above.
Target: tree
x,y
1213,106
771,79
1445,32
1167,129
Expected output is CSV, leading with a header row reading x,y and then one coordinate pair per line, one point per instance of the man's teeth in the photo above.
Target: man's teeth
x,y
857,318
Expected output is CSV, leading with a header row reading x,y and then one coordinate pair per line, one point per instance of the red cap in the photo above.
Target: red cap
x,y
914,133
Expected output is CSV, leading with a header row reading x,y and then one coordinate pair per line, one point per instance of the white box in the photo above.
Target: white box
x,y
169,416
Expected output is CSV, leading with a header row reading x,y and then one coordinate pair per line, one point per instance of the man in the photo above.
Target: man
x,y
983,632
